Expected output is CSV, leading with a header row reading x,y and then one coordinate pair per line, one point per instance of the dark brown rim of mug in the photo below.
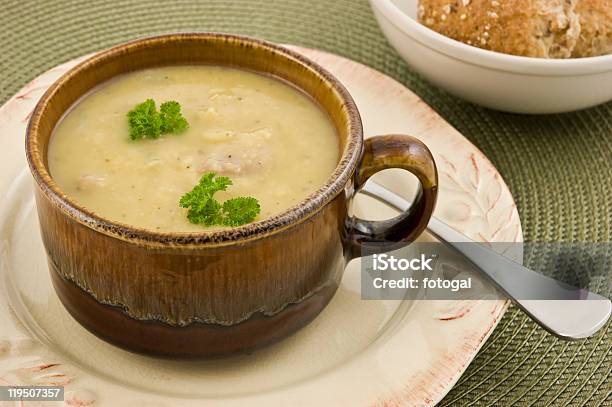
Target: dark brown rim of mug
x,y
298,213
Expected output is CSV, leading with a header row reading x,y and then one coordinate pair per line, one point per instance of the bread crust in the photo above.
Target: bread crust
x,y
534,28
596,28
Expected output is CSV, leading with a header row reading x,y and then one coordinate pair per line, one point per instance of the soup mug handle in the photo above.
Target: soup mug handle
x,y
395,151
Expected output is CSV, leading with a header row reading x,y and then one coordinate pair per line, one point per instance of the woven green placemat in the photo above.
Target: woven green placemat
x,y
559,167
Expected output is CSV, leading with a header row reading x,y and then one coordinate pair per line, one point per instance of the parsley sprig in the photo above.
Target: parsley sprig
x,y
203,208
146,122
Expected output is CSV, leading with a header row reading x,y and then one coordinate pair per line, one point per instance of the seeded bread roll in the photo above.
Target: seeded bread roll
x,y
534,28
595,28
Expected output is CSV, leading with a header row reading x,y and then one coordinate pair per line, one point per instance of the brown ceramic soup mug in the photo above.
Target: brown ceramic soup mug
x,y
227,291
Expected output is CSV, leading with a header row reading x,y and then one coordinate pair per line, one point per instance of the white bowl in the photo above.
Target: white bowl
x,y
492,79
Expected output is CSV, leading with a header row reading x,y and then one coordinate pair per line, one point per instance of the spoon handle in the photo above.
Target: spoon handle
x,y
563,310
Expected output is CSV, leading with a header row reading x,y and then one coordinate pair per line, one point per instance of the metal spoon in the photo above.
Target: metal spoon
x,y
569,312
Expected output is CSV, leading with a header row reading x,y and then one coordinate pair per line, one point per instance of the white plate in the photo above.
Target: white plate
x,y
355,353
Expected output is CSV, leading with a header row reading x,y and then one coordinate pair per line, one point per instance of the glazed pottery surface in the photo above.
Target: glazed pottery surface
x,y
223,292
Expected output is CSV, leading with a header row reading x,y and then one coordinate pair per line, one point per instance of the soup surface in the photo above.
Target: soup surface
x,y
272,140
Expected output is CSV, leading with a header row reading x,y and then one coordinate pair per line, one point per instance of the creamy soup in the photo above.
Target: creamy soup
x,y
272,140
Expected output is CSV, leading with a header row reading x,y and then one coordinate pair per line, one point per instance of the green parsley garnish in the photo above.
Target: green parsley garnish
x,y
172,121
238,211
204,209
146,122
